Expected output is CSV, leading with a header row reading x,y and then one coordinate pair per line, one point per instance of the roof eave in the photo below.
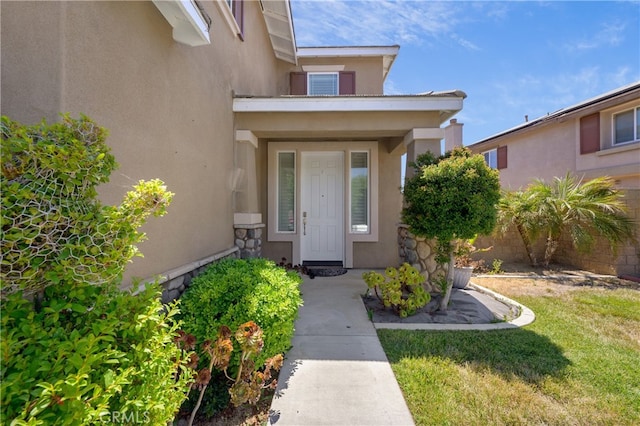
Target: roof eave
x,y
446,105
279,22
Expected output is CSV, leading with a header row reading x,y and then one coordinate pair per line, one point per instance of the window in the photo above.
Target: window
x,y
286,191
233,13
322,83
626,126
491,158
359,187
325,83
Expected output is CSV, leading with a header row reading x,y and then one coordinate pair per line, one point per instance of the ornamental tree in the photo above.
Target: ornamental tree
x,y
451,198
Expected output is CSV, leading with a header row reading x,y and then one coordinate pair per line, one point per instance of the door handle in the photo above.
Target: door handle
x,y
304,223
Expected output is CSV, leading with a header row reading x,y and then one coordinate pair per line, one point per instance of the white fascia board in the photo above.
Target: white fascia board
x,y
346,104
347,51
188,25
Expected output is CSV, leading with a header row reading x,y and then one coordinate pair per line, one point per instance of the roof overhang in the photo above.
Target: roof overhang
x,y
277,17
343,117
451,102
388,53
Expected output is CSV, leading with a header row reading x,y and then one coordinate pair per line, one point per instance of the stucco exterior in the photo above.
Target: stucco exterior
x,y
202,116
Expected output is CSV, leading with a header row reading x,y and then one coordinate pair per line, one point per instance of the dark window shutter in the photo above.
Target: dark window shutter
x,y
502,157
590,133
298,83
347,82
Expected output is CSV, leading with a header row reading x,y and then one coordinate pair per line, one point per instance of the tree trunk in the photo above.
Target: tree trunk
x,y
550,249
527,244
444,304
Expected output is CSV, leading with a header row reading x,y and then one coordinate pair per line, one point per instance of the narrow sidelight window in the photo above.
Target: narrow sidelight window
x,y
359,181
286,191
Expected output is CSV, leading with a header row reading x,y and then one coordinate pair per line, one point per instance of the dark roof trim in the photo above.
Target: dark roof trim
x,y
565,111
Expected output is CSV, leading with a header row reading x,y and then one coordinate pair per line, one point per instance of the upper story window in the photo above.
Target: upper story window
x,y
626,126
496,158
491,158
322,83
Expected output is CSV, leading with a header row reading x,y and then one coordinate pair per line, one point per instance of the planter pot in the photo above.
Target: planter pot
x,y
461,276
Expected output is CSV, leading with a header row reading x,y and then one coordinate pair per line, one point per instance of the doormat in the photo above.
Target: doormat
x,y
325,271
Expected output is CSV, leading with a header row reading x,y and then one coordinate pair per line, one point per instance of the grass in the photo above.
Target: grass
x,y
577,364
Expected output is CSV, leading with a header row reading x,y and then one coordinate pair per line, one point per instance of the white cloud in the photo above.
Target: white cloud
x,y
610,34
377,22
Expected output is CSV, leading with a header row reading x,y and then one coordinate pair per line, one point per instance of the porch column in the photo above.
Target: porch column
x,y
247,219
245,185
420,140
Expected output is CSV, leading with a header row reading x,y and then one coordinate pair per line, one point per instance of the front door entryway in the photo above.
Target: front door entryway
x,y
322,206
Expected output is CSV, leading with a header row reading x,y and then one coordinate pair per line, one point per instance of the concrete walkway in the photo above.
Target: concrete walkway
x,y
336,373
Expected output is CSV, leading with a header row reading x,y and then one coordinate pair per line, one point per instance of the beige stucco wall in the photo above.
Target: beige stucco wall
x,y
538,154
168,107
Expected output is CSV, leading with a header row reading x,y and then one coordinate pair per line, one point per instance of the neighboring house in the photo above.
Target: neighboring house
x,y
271,149
597,137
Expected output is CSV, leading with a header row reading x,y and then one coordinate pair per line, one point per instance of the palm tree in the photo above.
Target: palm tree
x,y
516,208
583,209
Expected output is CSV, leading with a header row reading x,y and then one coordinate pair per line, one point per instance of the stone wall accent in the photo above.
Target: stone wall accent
x,y
248,239
420,253
176,281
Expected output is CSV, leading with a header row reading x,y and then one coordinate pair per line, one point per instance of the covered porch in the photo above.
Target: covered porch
x,y
320,177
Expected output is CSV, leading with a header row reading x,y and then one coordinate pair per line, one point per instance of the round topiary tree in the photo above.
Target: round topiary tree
x,y
450,198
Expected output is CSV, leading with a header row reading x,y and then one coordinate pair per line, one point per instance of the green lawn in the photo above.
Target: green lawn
x,y
577,364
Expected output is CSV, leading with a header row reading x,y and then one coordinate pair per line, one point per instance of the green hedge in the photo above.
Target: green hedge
x,y
76,350
234,291
88,354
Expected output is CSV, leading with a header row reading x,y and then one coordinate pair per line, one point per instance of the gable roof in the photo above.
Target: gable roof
x,y
564,112
388,53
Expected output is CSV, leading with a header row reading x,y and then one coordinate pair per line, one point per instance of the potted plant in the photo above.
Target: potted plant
x,y
464,265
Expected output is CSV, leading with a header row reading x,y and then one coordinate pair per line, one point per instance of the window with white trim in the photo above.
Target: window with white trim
x,y
359,191
626,126
491,158
286,191
322,83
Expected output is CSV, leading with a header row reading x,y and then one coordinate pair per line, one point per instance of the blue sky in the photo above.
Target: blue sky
x,y
511,58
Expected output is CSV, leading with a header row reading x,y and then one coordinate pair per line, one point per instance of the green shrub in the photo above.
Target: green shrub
x,y
451,198
230,293
74,349
234,291
53,227
400,289
84,353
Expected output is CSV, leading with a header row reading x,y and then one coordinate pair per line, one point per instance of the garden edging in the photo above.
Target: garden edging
x,y
526,317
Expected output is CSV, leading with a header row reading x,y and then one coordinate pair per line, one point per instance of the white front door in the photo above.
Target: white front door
x,y
322,206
